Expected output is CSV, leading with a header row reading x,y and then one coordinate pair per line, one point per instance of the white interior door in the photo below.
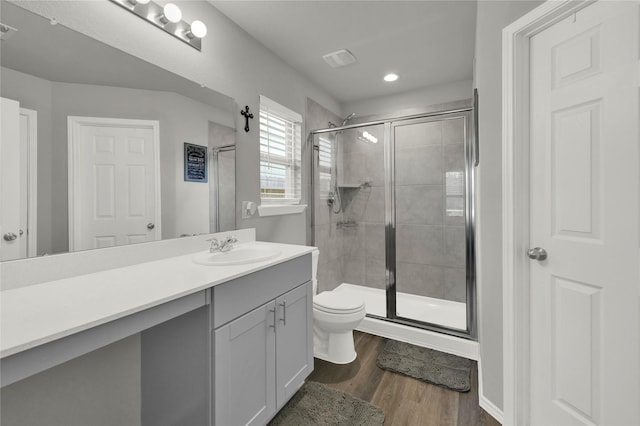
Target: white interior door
x,y
12,236
584,212
29,178
113,182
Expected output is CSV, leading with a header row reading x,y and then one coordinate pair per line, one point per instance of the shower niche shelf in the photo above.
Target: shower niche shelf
x,y
364,184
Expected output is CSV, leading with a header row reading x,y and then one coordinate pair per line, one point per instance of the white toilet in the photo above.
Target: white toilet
x,y
334,318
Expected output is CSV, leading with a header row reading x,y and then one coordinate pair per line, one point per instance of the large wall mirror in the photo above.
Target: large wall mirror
x,y
100,148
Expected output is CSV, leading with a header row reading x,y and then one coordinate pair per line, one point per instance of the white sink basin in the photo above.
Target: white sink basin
x,y
237,256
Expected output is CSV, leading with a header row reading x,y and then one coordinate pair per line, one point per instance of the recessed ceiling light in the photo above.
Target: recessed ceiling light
x,y
390,77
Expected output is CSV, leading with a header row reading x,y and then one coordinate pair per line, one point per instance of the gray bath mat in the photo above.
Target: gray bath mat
x,y
317,404
439,368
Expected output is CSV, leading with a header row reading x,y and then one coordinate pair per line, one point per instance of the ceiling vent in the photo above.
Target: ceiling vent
x,y
339,58
6,31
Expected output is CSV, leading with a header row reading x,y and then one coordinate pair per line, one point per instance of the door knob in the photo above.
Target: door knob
x,y
537,253
9,236
150,226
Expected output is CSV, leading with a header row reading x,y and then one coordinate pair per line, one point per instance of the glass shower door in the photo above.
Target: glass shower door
x,y
429,196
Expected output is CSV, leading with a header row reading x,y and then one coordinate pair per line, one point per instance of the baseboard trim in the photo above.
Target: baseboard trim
x,y
484,402
441,342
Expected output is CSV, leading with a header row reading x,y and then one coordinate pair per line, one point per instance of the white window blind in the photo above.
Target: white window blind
x,y
325,153
280,153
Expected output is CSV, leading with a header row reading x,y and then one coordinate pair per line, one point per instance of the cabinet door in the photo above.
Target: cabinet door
x,y
294,341
244,374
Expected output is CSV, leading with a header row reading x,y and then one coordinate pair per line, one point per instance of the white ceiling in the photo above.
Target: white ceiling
x,y
425,42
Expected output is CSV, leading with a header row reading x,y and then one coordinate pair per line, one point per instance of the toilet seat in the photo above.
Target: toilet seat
x,y
333,303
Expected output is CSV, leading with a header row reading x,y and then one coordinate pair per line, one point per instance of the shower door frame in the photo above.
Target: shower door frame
x,y
471,154
215,166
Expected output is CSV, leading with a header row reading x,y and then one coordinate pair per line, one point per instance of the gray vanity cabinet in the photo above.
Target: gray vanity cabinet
x,y
262,357
253,338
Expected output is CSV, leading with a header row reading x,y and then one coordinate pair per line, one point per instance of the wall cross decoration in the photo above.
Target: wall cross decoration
x,y
247,115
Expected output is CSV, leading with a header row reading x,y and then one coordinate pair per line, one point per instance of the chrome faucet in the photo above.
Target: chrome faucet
x,y
224,245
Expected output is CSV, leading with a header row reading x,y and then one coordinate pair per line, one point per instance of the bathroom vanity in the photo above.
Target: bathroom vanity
x,y
220,345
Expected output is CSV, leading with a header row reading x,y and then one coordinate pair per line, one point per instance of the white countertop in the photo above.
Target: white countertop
x,y
38,314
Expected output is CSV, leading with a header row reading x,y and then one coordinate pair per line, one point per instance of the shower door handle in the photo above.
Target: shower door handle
x,y
537,253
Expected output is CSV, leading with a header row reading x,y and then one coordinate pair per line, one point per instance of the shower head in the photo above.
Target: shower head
x,y
348,117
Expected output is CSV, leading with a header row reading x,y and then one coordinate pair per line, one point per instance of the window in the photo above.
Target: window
x,y
280,153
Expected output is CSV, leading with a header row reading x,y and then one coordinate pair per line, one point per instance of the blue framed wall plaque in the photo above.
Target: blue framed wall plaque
x,y
195,163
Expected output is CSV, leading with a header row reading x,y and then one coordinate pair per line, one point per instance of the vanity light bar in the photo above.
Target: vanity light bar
x,y
167,18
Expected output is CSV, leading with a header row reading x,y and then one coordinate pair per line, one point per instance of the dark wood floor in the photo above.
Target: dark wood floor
x,y
404,400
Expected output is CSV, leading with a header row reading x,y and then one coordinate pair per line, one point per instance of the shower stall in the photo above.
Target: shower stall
x,y
392,214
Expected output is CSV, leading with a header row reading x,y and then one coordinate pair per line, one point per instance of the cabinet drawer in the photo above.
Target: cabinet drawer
x,y
237,297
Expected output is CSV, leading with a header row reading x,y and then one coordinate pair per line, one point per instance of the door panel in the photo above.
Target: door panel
x,y
14,245
293,341
430,204
584,213
244,374
114,183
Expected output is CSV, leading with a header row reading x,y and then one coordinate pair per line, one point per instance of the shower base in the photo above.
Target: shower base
x,y
425,309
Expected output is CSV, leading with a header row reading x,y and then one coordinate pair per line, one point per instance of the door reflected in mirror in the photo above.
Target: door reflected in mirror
x,y
60,74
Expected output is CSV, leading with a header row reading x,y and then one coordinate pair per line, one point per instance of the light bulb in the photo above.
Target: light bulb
x,y
390,77
198,29
172,13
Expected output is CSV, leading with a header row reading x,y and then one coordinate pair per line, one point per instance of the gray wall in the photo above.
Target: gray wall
x,y
101,388
184,204
398,103
493,16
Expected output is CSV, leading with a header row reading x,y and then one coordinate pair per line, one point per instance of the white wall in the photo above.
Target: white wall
x,y
231,62
493,16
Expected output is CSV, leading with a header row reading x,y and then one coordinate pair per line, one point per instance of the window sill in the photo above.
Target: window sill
x,y
280,209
